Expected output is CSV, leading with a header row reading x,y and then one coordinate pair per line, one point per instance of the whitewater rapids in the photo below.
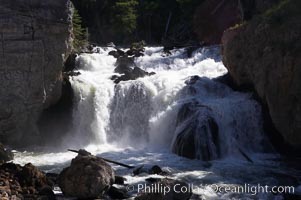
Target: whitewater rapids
x,y
134,122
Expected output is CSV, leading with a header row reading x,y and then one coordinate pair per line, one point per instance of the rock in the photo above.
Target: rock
x,y
155,169
47,193
196,133
5,155
87,177
23,182
72,73
55,121
264,55
124,65
178,191
52,178
32,176
117,193
127,67
119,180
35,41
117,53
70,63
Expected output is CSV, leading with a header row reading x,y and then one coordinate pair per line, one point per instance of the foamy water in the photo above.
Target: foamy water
x,y
134,122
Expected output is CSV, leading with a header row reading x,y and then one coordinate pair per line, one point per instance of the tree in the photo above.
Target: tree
x,y
79,33
125,18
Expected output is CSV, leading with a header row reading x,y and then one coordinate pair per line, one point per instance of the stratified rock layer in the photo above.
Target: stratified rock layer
x,y
266,54
34,39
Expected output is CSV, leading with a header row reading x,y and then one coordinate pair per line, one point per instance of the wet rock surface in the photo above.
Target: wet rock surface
x,y
126,66
197,133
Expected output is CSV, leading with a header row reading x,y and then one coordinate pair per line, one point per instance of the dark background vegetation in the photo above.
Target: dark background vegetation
x,y
125,21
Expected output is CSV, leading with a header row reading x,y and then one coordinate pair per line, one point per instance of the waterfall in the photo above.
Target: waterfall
x,y
149,111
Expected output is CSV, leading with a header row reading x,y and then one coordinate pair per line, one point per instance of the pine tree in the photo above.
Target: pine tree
x,y
125,19
79,33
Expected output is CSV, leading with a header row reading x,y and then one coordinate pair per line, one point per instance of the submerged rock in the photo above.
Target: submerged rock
x,y
178,190
87,177
126,66
5,155
155,169
119,180
196,133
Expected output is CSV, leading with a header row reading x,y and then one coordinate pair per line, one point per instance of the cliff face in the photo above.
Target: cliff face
x,y
266,54
34,43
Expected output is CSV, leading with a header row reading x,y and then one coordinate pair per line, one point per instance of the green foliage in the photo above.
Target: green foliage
x,y
125,18
138,45
79,33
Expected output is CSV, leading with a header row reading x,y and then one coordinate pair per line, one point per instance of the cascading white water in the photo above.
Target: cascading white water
x,y
113,120
144,111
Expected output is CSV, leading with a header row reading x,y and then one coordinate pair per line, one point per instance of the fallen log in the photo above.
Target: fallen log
x,y
85,153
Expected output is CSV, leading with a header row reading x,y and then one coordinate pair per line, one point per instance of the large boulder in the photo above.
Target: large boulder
x,y
34,43
265,54
196,133
87,177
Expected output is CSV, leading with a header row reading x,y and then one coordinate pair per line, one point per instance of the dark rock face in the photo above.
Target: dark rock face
x,y
117,193
26,182
175,192
56,120
265,55
34,41
197,133
5,155
70,63
87,177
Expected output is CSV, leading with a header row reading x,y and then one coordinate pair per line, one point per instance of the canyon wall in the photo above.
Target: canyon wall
x,y
35,38
265,54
